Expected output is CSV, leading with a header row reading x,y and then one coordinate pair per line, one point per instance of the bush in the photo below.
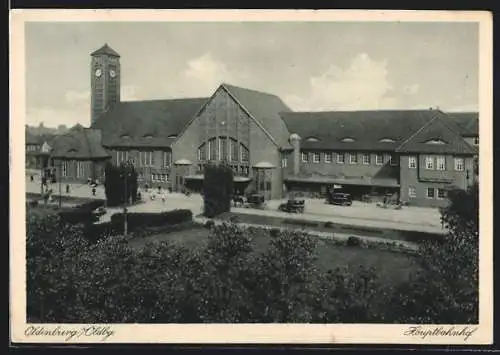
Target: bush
x,y
353,241
209,224
301,222
78,216
95,232
329,224
274,232
33,203
141,220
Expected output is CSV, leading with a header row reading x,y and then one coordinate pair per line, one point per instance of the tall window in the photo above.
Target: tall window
x,y
122,156
459,164
80,169
387,158
234,150
441,193
146,158
341,158
393,160
412,191
167,159
316,157
353,158
212,149
379,159
440,163
223,149
328,157
64,169
429,163
244,154
366,159
284,159
305,157
201,152
412,162
430,192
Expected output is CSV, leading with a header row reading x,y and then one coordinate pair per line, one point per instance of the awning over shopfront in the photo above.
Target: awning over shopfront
x,y
200,177
344,181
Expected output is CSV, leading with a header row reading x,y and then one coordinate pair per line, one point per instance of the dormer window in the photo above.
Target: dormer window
x,y
347,140
125,136
312,139
436,141
387,140
172,136
148,136
72,150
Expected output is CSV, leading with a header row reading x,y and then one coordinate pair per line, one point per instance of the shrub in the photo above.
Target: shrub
x,y
140,220
300,222
329,224
353,241
33,203
77,216
209,224
91,205
274,232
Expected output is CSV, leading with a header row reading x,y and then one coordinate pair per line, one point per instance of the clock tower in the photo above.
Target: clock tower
x,y
104,81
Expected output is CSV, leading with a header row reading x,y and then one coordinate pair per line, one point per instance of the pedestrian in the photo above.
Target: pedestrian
x,y
67,189
31,177
93,190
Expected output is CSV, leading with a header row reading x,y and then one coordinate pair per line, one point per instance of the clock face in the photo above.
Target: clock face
x,y
112,73
98,73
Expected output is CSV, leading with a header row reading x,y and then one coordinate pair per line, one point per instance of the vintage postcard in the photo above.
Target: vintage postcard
x,y
203,176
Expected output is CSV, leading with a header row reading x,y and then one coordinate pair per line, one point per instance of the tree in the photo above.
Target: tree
x,y
114,184
447,288
217,189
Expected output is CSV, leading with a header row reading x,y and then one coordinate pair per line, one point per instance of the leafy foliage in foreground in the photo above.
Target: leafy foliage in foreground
x,y
71,280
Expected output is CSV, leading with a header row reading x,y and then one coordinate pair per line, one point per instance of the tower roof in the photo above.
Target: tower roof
x,y
105,50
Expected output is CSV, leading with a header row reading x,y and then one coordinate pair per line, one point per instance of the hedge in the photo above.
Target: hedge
x,y
78,215
91,205
139,220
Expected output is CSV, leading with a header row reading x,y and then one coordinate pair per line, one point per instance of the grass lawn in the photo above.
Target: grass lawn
x,y
392,267
392,234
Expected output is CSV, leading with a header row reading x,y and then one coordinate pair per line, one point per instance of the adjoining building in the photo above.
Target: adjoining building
x,y
414,154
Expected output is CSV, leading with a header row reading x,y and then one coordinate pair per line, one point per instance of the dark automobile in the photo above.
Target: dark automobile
x,y
292,206
255,201
339,198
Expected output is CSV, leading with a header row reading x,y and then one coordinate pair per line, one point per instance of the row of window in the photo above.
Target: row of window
x,y
431,162
223,149
242,170
154,177
351,158
145,158
430,192
67,165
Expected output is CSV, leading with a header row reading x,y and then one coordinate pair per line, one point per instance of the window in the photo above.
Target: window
x,y
348,140
412,162
64,169
430,192
387,140
244,154
212,149
122,156
429,163
412,191
283,160
476,140
387,158
80,169
167,157
366,159
459,164
304,157
341,158
140,177
353,158
201,153
153,178
312,139
440,163
234,150
379,159
146,158
436,141
441,193
316,157
328,157
393,160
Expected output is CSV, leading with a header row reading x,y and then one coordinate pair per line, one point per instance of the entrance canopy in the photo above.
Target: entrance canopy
x,y
345,181
235,178
183,162
264,165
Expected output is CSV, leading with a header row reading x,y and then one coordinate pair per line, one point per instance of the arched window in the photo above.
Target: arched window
x,y
223,149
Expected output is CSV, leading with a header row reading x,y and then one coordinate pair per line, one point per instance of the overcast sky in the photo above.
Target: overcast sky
x,y
311,66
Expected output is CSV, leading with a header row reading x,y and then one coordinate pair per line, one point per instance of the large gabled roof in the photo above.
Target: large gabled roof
x,y
154,123
84,144
382,130
265,108
468,122
105,50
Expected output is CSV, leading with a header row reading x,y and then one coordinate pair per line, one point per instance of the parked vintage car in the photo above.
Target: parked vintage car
x,y
255,201
339,198
292,206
